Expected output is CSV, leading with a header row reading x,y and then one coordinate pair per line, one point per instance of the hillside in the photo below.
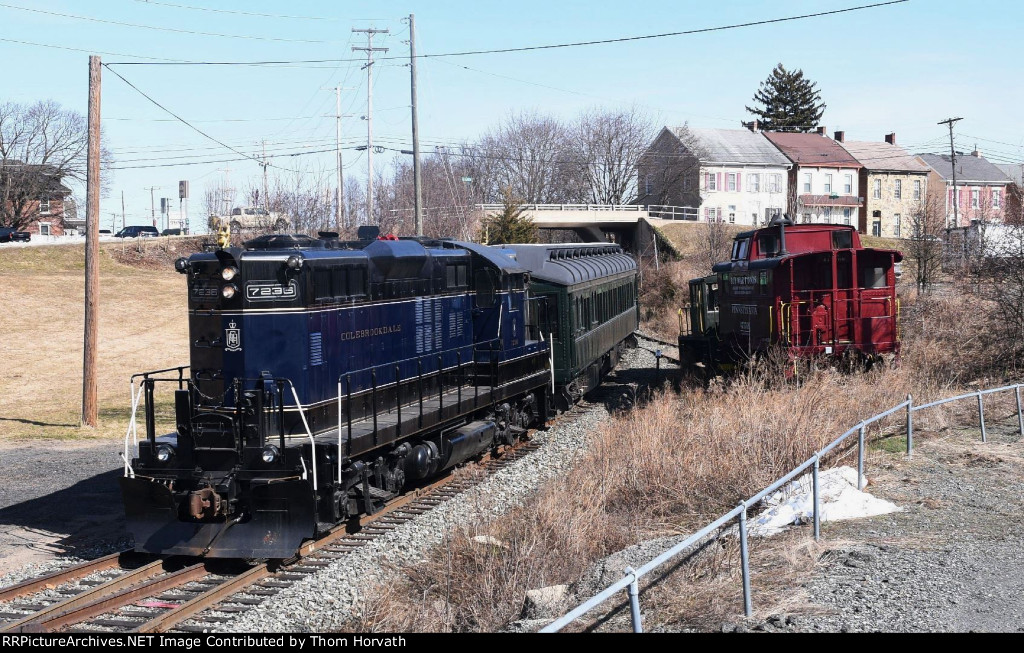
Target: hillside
x,y
143,326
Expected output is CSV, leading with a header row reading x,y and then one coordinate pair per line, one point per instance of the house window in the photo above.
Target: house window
x,y
774,183
732,214
712,181
648,185
917,189
44,228
44,207
828,214
975,196
807,218
898,192
686,184
828,184
807,182
896,225
754,183
711,214
877,192
847,214
848,184
995,198
876,228
731,181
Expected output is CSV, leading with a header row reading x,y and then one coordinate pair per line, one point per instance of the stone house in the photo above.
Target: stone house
x,y
893,183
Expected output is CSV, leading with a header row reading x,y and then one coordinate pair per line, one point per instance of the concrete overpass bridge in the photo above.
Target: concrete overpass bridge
x,y
629,225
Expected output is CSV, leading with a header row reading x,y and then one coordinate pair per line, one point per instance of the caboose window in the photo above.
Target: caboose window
x,y
842,239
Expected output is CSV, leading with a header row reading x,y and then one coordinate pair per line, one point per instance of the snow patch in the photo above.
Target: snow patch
x,y
839,496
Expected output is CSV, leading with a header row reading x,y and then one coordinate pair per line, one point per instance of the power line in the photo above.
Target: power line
x,y
161,29
113,54
530,48
180,119
231,11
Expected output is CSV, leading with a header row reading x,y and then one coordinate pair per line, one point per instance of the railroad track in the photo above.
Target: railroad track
x,y
127,592
658,345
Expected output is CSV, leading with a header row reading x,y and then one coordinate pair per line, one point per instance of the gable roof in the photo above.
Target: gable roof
x,y
812,150
884,156
969,168
731,146
1015,171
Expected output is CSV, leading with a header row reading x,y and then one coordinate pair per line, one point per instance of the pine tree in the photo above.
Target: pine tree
x,y
509,226
789,103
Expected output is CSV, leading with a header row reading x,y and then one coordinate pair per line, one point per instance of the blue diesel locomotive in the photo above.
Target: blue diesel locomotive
x,y
326,376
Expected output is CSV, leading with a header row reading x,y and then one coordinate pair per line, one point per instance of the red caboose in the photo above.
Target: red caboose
x,y
811,289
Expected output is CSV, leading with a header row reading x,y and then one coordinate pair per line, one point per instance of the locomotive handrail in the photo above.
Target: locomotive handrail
x,y
632,577
312,442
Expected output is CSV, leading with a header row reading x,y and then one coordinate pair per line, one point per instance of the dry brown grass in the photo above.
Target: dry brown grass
x,y
667,468
143,326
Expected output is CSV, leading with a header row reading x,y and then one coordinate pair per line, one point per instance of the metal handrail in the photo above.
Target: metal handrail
x,y
630,581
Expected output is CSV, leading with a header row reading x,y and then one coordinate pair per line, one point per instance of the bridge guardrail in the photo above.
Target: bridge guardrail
x,y
631,579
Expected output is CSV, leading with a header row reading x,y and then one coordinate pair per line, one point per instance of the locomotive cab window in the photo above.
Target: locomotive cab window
x,y
740,249
485,283
768,245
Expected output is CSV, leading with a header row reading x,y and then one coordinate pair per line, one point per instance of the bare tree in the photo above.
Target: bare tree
x,y
607,147
924,247
713,240
528,153
42,147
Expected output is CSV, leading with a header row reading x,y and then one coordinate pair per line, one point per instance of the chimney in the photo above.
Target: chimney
x,y
890,138
754,126
822,130
841,137
976,153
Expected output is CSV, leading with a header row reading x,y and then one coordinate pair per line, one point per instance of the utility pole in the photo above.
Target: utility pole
x,y
152,203
90,406
266,187
416,177
952,152
122,209
339,193
369,50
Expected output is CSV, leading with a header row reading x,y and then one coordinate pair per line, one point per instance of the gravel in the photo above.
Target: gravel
x,y
59,504
328,600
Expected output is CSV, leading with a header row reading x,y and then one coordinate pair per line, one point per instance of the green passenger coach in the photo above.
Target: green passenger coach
x,y
584,300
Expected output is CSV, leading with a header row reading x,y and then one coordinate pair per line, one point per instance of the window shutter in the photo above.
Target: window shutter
x,y
739,181
707,181
718,180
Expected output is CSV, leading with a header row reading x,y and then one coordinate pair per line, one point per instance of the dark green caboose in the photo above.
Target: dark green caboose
x,y
583,298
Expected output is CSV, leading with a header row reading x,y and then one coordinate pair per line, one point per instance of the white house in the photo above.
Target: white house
x,y
733,175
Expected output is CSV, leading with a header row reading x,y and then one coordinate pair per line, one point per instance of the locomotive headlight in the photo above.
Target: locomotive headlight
x,y
229,291
228,273
270,453
164,453
295,262
182,265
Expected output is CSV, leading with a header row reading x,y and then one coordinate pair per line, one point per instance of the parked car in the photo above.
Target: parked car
x,y
171,232
8,235
135,231
104,232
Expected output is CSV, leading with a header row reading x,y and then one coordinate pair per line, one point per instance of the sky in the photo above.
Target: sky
x,y
898,68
